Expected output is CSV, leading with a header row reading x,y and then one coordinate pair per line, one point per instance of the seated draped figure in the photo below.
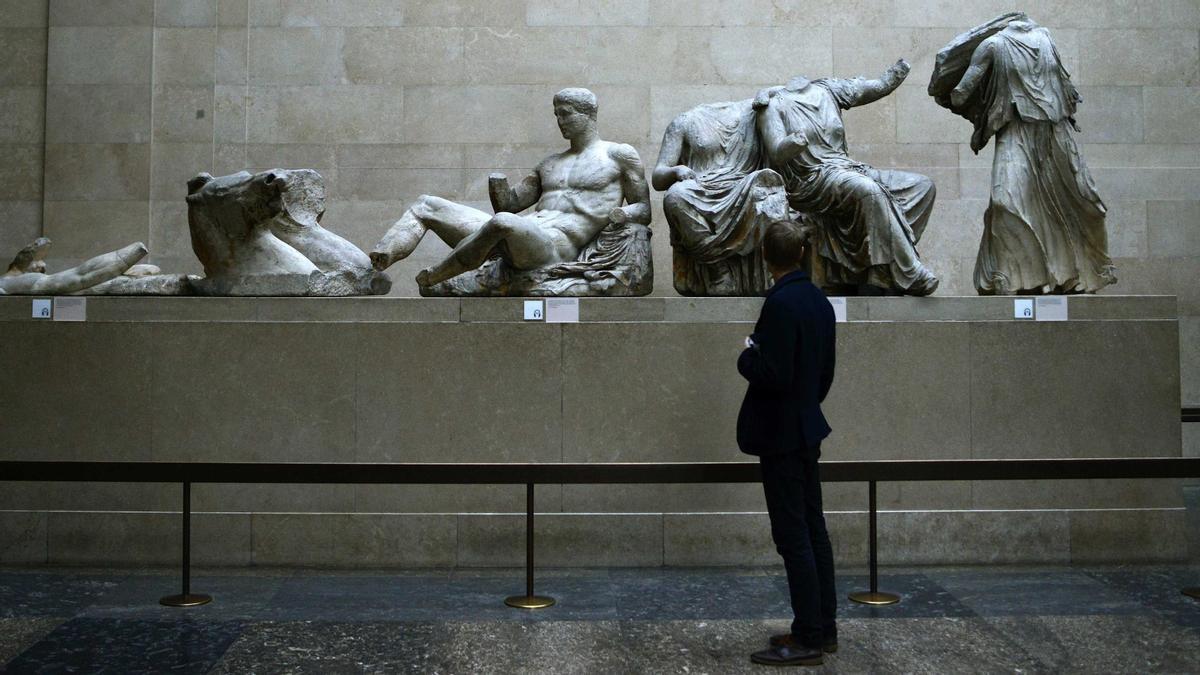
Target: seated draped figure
x,y
260,234
870,220
588,232
26,274
720,198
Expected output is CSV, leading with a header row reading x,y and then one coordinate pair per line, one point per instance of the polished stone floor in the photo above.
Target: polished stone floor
x,y
952,620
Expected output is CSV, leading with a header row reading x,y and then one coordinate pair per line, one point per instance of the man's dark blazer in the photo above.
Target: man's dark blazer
x,y
790,370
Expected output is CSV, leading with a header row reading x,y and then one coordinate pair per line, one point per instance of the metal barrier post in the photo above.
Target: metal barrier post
x,y
187,598
529,600
873,596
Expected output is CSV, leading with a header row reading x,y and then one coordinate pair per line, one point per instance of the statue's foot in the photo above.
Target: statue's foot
x,y
380,260
424,277
925,284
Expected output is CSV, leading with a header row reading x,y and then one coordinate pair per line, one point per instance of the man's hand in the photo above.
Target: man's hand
x,y
683,173
618,216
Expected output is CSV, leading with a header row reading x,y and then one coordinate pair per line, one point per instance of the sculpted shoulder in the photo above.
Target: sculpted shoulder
x,y
625,155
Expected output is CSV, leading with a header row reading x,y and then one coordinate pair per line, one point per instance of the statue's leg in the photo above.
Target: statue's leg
x,y
916,194
528,244
880,216
449,221
94,271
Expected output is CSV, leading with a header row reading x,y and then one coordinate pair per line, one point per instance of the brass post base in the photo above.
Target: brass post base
x,y
189,600
1193,592
876,598
529,601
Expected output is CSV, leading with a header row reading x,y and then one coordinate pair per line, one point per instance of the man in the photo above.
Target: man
x,y
788,362
575,194
871,220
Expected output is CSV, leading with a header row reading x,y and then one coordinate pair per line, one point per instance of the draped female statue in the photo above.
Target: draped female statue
x,y
1044,230
719,199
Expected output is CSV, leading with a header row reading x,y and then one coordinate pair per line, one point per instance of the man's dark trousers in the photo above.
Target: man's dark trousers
x,y
792,486
789,369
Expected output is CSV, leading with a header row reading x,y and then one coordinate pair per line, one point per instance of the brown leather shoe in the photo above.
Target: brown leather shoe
x,y
789,654
786,638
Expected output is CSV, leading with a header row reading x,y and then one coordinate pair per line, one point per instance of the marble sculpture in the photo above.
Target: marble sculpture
x,y
719,199
1044,229
260,234
26,275
588,232
870,220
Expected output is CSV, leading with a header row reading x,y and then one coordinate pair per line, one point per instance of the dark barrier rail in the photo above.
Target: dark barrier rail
x,y
611,473
870,472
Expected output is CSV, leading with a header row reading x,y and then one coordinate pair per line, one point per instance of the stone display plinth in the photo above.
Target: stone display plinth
x,y
641,379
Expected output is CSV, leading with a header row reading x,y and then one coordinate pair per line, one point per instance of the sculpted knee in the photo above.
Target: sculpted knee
x,y
927,183
504,223
674,200
426,204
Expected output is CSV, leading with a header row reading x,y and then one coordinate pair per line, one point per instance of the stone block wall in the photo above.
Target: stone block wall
x,y
22,121
637,380
390,99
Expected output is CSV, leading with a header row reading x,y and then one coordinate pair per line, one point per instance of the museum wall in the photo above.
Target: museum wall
x,y
391,99
22,121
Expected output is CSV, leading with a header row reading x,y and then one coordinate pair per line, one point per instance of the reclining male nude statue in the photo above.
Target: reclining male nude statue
x,y
585,236
26,275
871,219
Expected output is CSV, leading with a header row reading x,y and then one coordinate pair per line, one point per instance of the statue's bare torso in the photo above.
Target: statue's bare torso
x,y
579,190
573,194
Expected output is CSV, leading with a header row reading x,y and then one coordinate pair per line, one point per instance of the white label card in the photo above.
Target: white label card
x,y
562,310
839,309
1023,308
70,309
1053,308
534,310
42,308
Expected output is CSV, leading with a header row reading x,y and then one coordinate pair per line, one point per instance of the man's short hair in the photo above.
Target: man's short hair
x,y
784,244
578,98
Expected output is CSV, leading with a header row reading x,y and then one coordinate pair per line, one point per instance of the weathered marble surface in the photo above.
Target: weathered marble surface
x,y
587,235
26,274
870,220
1044,229
720,197
259,234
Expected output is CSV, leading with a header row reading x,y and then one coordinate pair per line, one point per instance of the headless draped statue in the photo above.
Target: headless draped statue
x,y
1044,229
720,197
586,235
870,220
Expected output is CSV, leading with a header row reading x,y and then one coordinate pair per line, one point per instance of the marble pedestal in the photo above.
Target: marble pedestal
x,y
641,379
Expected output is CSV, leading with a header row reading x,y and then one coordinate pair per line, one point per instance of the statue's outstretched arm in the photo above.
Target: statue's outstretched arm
x,y
507,199
633,186
981,60
669,170
869,91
